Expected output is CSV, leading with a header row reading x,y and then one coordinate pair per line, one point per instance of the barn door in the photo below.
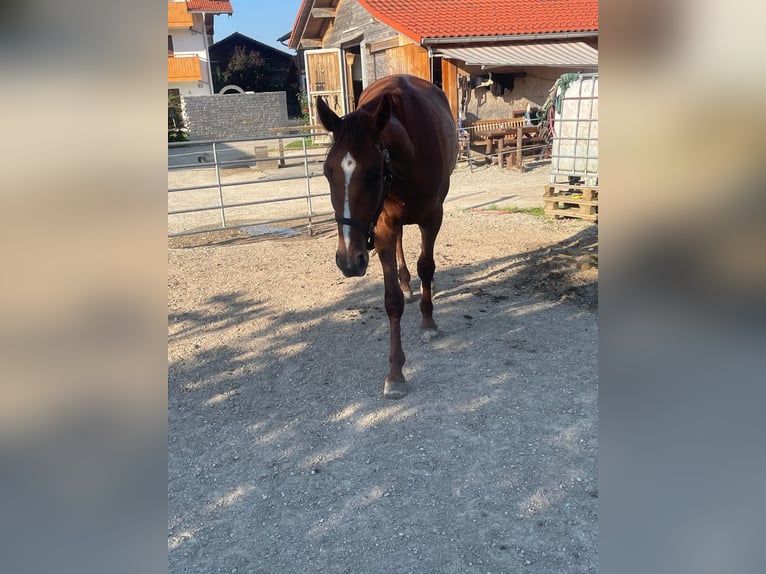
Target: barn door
x,y
350,99
409,59
324,77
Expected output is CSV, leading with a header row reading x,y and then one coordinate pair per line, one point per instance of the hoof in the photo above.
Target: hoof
x,y
395,389
429,335
408,296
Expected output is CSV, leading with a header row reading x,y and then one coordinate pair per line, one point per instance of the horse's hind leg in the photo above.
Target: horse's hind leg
x,y
426,268
404,273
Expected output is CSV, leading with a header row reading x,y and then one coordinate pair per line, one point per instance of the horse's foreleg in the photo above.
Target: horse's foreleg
x,y
404,273
395,386
426,268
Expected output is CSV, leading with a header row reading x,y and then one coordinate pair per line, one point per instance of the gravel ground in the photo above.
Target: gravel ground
x,y
283,455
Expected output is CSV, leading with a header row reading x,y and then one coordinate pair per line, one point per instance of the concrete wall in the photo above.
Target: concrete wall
x,y
234,116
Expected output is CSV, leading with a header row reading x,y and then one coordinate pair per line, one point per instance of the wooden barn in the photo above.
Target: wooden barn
x,y
280,69
493,58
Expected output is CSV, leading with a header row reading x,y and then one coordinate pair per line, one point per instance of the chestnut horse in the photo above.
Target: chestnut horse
x,y
389,166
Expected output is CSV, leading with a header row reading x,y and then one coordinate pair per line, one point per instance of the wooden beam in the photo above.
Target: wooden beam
x,y
322,13
309,43
382,45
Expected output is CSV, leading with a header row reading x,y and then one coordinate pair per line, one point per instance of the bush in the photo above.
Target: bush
x,y
305,118
177,136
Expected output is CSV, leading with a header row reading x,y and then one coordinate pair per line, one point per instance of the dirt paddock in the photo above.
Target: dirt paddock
x,y
283,454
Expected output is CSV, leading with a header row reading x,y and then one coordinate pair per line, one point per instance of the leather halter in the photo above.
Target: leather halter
x,y
386,182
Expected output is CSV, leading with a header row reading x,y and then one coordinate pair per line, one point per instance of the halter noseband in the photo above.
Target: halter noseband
x,y
370,229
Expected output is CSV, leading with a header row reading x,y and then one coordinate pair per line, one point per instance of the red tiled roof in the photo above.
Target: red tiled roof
x,y
217,6
420,19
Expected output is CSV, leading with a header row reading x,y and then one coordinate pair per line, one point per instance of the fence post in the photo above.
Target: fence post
x,y
218,183
308,183
281,150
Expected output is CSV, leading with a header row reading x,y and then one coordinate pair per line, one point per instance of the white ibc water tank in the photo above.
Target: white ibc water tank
x,y
574,149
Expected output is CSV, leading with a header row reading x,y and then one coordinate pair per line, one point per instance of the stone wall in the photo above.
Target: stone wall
x,y
351,23
351,16
234,116
533,89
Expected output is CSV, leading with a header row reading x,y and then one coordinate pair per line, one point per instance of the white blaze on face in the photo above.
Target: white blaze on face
x,y
348,164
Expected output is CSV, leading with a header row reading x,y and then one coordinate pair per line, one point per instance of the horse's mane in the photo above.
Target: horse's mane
x,y
355,134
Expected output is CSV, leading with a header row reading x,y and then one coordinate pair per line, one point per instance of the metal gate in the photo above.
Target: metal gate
x,y
220,185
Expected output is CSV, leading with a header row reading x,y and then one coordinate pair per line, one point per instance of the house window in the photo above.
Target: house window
x,y
170,45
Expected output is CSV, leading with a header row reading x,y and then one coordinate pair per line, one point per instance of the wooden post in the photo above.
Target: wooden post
x,y
281,151
519,142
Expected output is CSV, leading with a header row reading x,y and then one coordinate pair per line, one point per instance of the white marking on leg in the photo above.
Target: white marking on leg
x,y
348,164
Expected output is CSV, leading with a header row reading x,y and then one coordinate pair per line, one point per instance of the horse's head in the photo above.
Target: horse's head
x,y
356,169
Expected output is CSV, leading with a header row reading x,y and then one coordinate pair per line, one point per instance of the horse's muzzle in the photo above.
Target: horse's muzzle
x,y
354,266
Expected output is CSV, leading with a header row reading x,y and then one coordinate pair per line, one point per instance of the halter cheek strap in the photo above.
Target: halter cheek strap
x,y
370,228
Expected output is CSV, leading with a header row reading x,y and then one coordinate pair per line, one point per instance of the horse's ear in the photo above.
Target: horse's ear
x,y
329,118
383,113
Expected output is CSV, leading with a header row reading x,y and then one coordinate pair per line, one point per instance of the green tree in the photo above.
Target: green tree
x,y
248,70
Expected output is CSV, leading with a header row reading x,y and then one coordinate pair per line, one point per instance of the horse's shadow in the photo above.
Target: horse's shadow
x,y
282,428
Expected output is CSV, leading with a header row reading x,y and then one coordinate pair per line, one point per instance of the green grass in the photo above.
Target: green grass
x,y
536,211
299,144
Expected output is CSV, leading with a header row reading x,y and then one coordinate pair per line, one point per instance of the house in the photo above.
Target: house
x,y
190,33
279,70
195,111
524,44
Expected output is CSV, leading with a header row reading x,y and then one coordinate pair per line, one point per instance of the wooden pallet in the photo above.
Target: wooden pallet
x,y
571,200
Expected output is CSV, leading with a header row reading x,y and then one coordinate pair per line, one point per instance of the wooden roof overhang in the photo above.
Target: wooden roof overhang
x,y
314,19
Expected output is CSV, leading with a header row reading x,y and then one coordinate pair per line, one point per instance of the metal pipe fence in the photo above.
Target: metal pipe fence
x,y
219,185
214,176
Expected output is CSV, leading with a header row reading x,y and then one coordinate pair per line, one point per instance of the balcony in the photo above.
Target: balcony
x,y
179,16
186,69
